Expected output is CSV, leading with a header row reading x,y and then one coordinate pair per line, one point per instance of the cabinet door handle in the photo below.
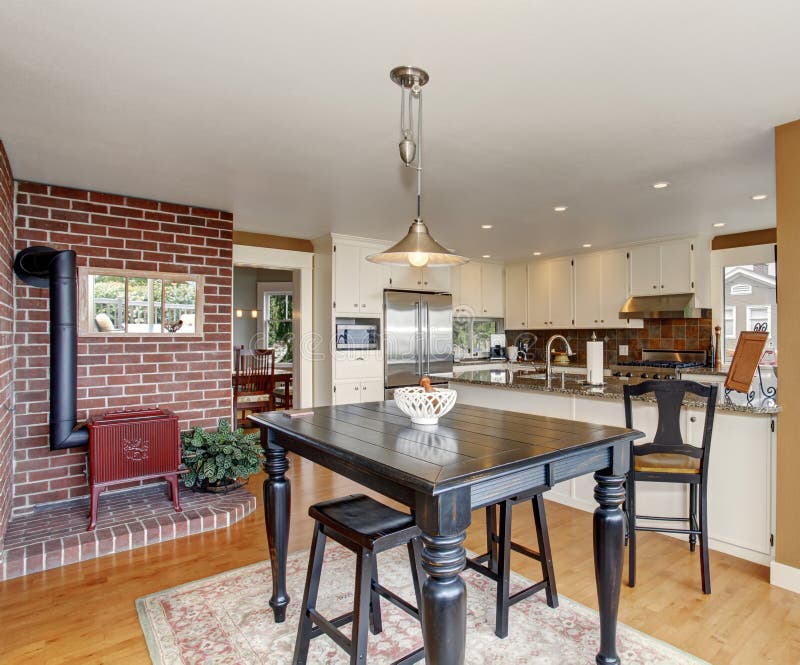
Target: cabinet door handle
x,y
356,304
426,283
355,387
693,419
602,320
662,286
364,306
359,358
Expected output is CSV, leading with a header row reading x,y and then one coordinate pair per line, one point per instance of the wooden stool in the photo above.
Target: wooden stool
x,y
365,527
496,563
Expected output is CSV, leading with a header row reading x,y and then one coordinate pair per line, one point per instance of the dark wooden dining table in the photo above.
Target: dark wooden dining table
x,y
474,457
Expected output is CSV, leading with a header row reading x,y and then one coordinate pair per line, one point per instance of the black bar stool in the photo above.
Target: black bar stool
x,y
365,527
496,563
667,459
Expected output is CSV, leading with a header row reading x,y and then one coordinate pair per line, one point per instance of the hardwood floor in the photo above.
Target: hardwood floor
x,y
85,613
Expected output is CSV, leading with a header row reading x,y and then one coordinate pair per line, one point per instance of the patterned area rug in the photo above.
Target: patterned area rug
x,y
226,620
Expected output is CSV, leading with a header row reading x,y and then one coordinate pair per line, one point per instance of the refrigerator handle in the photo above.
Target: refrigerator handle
x,y
428,337
418,336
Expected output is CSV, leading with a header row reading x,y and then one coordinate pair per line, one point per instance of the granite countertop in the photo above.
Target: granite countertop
x,y
611,390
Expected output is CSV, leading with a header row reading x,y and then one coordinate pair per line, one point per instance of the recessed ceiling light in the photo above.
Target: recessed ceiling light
x,y
719,225
537,253
587,245
758,197
660,185
560,208
486,256
486,226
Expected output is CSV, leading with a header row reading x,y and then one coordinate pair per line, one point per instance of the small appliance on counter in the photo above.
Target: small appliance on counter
x,y
497,349
511,353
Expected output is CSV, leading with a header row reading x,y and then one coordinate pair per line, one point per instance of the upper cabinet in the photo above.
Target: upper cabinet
x,y
662,268
478,290
586,291
357,284
516,296
420,279
601,288
550,294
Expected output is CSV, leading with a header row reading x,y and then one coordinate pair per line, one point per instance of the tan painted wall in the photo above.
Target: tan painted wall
x,y
787,175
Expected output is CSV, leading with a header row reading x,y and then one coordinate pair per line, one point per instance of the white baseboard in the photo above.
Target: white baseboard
x,y
784,576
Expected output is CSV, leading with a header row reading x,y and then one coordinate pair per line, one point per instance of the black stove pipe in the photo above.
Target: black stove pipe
x,y
47,267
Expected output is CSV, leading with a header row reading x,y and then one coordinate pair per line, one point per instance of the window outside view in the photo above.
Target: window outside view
x,y
471,337
278,325
750,301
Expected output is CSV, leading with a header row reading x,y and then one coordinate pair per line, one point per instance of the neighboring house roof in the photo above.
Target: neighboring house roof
x,y
739,272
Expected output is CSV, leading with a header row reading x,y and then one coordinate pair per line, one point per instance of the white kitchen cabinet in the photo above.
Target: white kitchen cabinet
x,y
405,277
371,390
347,392
588,290
516,312
372,279
561,291
739,479
478,290
358,283
645,261
436,279
492,290
347,294
539,294
355,391
662,268
614,289
677,274
469,290
420,279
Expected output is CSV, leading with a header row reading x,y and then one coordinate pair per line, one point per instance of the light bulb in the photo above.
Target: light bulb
x,y
239,314
418,259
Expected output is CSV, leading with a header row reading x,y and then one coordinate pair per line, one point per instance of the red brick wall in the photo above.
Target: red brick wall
x,y
6,338
190,376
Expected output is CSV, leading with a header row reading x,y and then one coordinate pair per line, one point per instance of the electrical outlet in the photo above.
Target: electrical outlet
x,y
623,349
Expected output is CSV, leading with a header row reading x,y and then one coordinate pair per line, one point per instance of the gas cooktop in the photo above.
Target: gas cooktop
x,y
659,364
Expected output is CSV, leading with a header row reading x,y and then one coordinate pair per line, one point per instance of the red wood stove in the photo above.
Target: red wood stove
x,y
136,444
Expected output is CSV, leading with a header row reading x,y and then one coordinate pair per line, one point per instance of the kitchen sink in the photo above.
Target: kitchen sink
x,y
530,374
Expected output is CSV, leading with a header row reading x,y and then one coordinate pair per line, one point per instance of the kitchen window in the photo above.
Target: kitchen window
x,y
275,324
759,315
749,293
472,337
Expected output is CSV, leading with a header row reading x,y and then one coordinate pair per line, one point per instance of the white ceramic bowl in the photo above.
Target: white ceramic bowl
x,y
425,408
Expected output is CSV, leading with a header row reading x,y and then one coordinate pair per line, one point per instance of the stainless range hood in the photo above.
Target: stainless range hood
x,y
675,306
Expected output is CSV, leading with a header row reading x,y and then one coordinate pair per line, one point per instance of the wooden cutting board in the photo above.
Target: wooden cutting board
x,y
749,349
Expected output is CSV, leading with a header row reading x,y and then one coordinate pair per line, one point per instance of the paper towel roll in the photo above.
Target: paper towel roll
x,y
594,363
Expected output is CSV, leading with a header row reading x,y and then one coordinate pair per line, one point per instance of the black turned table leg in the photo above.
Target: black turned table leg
x,y
609,537
444,599
443,520
277,502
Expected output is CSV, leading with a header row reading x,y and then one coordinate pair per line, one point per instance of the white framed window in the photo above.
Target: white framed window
x,y
275,319
759,315
730,322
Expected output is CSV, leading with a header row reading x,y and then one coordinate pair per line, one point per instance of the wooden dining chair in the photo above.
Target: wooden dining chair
x,y
253,382
667,459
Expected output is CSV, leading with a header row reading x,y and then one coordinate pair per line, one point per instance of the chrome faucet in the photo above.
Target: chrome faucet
x,y
548,356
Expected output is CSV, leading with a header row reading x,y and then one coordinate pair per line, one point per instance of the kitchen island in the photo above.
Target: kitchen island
x,y
741,472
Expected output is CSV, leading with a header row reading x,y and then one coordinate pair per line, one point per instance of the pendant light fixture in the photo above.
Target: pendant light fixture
x,y
417,248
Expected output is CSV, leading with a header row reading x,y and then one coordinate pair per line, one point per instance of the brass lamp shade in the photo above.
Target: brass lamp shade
x,y
418,249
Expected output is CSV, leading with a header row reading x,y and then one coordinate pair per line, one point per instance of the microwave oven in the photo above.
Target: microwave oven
x,y
357,334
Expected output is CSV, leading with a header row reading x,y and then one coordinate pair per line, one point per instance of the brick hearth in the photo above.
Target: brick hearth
x,y
55,535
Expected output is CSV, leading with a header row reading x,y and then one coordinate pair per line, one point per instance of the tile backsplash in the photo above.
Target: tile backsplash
x,y
680,334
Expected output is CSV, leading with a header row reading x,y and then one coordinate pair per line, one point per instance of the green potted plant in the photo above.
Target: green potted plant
x,y
220,460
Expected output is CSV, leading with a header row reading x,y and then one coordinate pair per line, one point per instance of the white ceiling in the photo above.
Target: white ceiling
x,y
283,112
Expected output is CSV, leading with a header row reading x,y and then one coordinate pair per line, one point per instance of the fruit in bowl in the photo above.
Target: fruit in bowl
x,y
425,404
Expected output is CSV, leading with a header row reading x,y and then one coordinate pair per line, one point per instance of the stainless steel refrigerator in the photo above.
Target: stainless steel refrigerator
x,y
418,337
